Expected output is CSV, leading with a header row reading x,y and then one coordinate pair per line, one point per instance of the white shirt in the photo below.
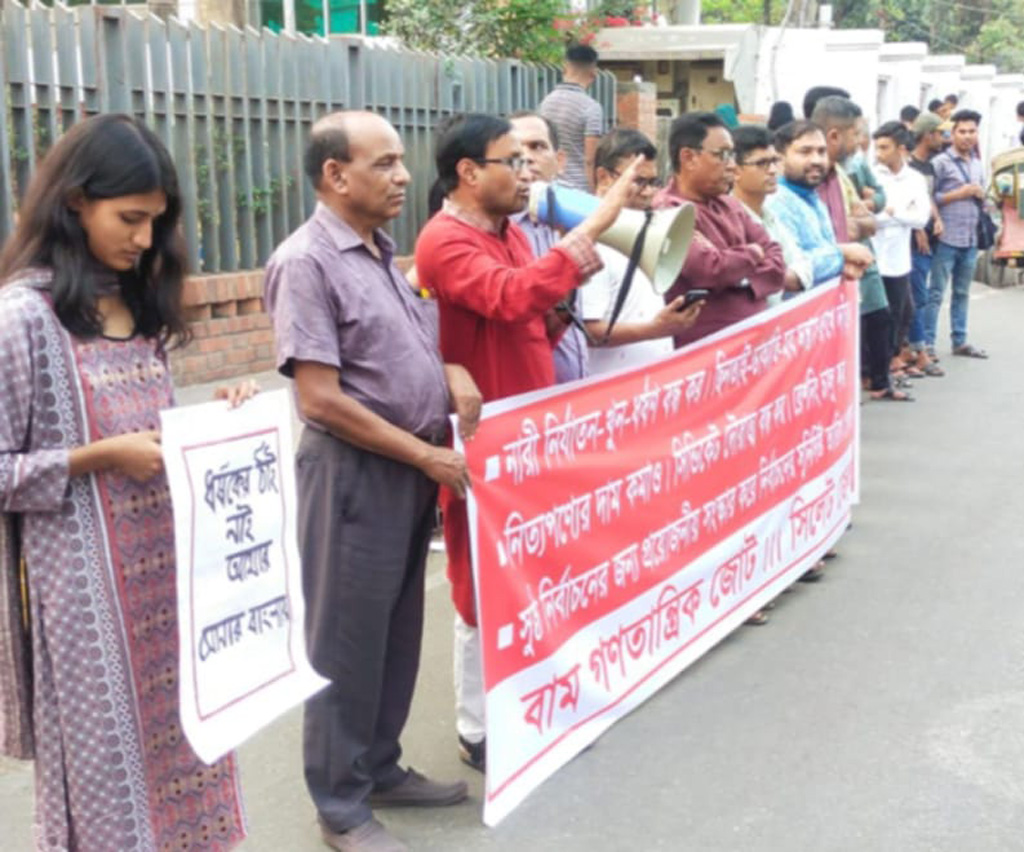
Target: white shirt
x,y
906,194
597,300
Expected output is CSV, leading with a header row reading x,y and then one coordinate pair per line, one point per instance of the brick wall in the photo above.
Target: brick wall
x,y
232,335
637,107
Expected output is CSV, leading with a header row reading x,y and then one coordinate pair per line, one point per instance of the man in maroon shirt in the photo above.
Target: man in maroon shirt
x,y
731,255
493,297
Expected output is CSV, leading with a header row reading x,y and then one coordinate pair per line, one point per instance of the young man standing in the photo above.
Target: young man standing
x,y
757,177
838,118
797,207
645,326
577,117
960,195
908,206
928,143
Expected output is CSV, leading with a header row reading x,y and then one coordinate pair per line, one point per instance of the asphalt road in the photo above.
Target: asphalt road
x,y
882,709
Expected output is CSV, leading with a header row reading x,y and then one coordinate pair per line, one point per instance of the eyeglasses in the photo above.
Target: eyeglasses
x,y
763,163
514,163
640,183
725,155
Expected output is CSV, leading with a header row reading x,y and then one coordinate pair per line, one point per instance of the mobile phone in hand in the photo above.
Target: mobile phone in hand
x,y
691,296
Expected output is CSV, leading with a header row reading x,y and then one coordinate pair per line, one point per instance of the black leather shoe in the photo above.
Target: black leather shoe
x,y
473,754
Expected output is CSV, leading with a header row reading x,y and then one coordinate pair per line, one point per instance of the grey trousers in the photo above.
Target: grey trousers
x,y
364,530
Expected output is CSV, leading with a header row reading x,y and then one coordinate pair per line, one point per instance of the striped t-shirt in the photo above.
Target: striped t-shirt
x,y
575,115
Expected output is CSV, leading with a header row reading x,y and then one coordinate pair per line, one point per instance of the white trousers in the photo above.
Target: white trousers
x,y
469,682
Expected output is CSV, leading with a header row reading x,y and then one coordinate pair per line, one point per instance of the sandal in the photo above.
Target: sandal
x,y
969,351
813,574
891,395
911,372
933,370
758,619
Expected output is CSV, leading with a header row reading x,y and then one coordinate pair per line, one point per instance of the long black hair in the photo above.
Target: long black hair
x,y
106,156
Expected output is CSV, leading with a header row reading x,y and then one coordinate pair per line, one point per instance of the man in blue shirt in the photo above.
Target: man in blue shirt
x,y
799,209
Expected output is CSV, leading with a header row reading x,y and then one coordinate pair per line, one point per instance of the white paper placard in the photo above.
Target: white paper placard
x,y
242,647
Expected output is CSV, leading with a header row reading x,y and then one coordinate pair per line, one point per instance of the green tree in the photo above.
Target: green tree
x,y
742,11
531,30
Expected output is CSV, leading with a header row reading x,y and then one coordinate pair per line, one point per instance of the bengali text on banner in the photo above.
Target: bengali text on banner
x,y
624,525
242,646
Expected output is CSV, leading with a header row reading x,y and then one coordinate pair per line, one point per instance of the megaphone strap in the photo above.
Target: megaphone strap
x,y
627,278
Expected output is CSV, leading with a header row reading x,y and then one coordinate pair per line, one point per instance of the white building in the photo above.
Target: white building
x,y
697,67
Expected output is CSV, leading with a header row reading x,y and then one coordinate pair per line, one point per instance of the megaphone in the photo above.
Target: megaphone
x,y
665,244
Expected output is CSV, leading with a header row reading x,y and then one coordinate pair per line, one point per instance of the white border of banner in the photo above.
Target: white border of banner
x,y
514,789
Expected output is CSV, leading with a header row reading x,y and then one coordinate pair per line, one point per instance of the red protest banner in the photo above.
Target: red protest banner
x,y
623,526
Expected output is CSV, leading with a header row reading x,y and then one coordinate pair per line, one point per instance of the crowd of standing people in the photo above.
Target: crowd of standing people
x,y
495,305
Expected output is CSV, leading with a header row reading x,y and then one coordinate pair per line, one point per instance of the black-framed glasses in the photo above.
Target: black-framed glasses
x,y
762,162
641,183
725,155
514,163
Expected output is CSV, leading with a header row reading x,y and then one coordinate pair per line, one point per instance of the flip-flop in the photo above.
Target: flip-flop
x,y
969,351
934,370
913,373
891,395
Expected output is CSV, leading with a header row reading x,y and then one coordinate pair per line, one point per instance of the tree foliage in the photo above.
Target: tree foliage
x,y
531,30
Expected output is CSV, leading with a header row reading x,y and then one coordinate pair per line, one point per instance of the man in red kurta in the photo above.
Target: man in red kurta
x,y
731,255
496,306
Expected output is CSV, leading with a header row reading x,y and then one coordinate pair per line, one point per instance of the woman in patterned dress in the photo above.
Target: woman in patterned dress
x,y
91,301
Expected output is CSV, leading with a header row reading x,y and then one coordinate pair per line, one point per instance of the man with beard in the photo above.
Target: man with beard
x,y
928,143
493,297
797,207
838,119
731,255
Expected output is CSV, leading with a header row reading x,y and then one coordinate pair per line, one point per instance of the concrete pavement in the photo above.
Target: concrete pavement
x,y
882,709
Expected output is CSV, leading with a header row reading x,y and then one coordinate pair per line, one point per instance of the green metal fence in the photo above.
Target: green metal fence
x,y
234,107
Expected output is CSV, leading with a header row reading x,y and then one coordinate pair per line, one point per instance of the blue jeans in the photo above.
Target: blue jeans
x,y
958,263
922,265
